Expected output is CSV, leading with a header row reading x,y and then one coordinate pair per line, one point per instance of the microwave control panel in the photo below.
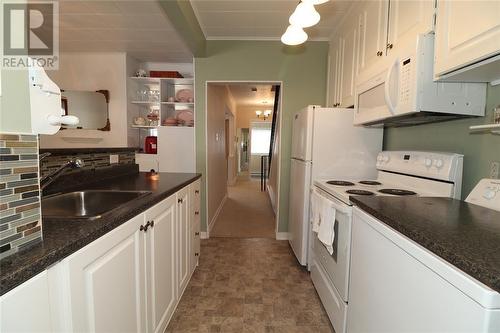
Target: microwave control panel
x,y
406,71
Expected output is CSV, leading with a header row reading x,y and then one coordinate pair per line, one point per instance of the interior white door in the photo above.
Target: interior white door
x,y
160,254
466,32
106,280
302,134
183,239
408,19
298,217
373,28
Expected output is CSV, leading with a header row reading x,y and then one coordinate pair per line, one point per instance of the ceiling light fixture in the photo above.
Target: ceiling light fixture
x,y
294,36
316,2
304,16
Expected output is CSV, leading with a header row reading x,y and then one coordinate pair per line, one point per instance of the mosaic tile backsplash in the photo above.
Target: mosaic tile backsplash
x,y
20,222
93,161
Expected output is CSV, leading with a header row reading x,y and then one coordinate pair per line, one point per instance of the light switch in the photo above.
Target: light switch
x,y
113,159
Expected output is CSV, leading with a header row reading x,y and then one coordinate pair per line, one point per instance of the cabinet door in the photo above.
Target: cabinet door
x,y
466,32
373,28
106,281
349,51
161,272
195,224
333,80
26,308
407,19
183,239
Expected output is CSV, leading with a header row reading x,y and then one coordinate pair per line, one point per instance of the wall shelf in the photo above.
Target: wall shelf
x,y
493,128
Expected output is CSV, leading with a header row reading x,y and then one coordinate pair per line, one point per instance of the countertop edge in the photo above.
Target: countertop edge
x,y
25,272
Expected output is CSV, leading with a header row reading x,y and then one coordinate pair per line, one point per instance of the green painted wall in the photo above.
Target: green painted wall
x,y
303,71
479,149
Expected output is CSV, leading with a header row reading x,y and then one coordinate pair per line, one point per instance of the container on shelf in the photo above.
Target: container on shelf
x,y
166,74
151,145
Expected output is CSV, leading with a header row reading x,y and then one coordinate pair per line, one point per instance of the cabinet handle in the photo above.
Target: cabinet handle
x,y
196,192
196,233
379,53
145,227
196,254
389,46
152,224
196,213
179,200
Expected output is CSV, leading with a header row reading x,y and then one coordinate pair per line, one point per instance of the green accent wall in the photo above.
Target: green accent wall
x,y
302,70
479,149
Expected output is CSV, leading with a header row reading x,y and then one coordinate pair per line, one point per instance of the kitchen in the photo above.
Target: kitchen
x,y
362,36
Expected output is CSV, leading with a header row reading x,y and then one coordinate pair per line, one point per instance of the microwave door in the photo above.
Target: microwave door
x,y
371,104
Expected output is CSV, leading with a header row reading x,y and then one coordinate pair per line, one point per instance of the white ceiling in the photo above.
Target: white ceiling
x,y
262,19
244,96
138,27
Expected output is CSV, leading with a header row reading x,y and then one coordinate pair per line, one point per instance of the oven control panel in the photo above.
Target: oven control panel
x,y
486,193
434,165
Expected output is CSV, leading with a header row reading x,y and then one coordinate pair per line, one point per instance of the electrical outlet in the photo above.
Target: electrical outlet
x,y
113,159
494,167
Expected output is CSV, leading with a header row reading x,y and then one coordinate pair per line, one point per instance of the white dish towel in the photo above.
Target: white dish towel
x,y
326,233
317,203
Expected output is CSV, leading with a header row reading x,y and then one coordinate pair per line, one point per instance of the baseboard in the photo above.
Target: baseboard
x,y
281,235
216,215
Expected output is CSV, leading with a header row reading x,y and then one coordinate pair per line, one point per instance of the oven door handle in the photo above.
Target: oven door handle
x,y
335,205
387,93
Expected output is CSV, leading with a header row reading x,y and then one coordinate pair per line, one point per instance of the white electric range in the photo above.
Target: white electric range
x,y
410,173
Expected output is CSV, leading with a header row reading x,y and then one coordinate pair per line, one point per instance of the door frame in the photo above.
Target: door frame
x,y
278,183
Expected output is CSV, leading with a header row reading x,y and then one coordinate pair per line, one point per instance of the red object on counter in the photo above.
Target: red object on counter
x,y
151,144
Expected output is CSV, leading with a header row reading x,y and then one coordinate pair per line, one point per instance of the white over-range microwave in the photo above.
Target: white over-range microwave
x,y
405,93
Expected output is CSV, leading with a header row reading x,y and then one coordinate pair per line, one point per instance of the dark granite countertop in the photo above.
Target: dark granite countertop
x,y
64,237
465,235
76,151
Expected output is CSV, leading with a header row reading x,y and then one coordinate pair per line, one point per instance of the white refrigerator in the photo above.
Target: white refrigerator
x,y
325,145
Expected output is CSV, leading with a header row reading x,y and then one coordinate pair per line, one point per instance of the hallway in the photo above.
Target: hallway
x,y
249,285
247,212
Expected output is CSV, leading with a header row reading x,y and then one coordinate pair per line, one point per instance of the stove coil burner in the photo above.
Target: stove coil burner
x,y
370,182
339,183
359,192
396,191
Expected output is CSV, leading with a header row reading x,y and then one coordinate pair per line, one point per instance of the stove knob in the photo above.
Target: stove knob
x,y
489,194
438,163
428,162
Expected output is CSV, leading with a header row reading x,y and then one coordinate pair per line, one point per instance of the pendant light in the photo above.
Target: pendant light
x,y
294,36
316,2
304,15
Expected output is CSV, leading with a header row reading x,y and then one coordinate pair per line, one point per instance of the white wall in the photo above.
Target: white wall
x,y
93,71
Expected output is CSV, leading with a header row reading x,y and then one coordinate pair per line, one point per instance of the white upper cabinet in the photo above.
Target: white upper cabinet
x,y
333,84
407,19
373,35
468,32
349,52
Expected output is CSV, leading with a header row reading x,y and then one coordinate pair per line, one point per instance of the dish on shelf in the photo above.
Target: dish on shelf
x,y
170,122
184,95
185,116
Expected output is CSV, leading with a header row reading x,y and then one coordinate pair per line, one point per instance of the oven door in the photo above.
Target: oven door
x,y
337,264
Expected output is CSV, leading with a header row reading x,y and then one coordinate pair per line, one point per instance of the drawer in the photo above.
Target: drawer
x,y
329,264
330,298
196,188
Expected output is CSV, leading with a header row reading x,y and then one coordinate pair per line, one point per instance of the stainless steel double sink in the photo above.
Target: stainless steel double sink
x,y
89,204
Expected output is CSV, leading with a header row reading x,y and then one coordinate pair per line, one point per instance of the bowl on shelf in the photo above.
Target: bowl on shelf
x,y
184,95
170,122
185,115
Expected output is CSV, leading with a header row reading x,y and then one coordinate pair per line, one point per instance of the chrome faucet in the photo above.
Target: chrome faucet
x,y
47,180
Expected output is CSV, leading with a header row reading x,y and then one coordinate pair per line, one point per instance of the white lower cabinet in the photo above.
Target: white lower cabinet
x,y
107,282
161,253
129,280
25,308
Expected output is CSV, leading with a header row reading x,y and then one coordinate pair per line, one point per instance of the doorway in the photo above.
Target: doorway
x,y
239,207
